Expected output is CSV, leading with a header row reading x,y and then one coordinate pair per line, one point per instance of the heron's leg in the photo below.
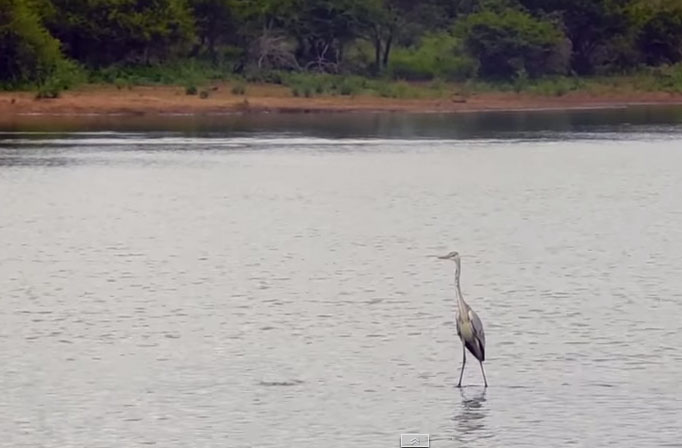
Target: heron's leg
x,y
485,381
464,361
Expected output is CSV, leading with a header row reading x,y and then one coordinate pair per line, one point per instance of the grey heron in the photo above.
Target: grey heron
x,y
469,325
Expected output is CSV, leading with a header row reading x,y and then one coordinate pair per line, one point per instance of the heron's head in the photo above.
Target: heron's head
x,y
454,256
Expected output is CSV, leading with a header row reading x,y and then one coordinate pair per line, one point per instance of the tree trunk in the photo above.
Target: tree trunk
x,y
211,48
377,53
387,49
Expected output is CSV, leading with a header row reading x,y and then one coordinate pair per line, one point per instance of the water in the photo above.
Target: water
x,y
232,284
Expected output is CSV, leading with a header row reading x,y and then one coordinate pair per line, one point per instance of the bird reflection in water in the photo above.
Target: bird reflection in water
x,y
470,420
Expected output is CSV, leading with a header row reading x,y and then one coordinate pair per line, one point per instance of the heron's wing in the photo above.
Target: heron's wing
x,y
478,327
459,332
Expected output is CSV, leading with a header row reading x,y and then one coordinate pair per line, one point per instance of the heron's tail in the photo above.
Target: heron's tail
x,y
476,349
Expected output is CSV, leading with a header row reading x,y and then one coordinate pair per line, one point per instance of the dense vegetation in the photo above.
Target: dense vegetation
x,y
54,43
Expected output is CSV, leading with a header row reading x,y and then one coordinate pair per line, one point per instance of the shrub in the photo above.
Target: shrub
x,y
191,90
315,82
239,89
436,56
346,89
65,75
402,90
668,78
351,85
554,86
396,90
384,90
322,83
264,76
48,91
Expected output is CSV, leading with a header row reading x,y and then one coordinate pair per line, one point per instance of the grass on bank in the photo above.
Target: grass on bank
x,y
196,77
662,79
309,85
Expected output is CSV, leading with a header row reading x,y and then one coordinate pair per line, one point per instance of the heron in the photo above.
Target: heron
x,y
469,325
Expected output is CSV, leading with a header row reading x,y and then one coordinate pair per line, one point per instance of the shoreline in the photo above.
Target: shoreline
x,y
172,100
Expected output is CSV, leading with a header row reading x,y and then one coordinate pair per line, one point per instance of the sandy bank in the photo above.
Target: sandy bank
x,y
269,98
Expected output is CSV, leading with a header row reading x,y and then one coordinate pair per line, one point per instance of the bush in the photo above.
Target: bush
x,y
187,72
48,91
314,82
437,56
65,75
264,76
384,90
403,90
509,42
351,85
667,78
191,90
346,89
307,85
397,90
559,86
120,83
239,89
321,83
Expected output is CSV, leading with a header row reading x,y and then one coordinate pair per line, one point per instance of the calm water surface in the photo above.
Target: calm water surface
x,y
264,282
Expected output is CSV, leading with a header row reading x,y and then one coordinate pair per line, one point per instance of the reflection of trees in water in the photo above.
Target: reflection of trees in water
x,y
527,124
470,420
15,161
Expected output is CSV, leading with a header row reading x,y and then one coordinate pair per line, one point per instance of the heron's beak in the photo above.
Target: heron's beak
x,y
440,257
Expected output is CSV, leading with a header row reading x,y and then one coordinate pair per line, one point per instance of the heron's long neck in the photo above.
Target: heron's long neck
x,y
461,304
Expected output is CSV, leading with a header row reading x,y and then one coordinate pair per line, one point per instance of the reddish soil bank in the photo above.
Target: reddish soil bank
x,y
267,98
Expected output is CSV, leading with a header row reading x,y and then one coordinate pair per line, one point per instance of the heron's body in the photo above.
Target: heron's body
x,y
469,325
465,328
470,337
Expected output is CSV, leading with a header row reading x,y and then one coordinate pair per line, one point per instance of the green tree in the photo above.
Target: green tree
x,y
511,42
404,22
266,33
28,53
103,32
379,23
323,28
215,24
597,28
659,30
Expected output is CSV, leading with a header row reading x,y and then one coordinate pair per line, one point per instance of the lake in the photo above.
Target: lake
x,y
265,280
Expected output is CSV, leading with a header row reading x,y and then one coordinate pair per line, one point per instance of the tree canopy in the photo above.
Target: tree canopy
x,y
500,39
27,50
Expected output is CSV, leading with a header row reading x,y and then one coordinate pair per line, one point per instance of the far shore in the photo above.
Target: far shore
x,y
158,100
